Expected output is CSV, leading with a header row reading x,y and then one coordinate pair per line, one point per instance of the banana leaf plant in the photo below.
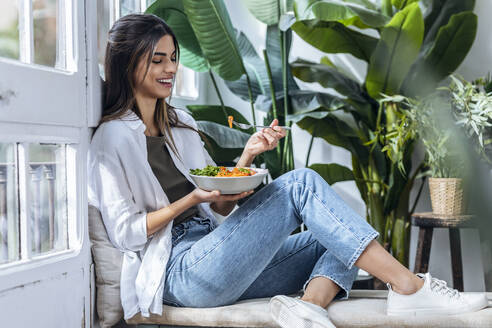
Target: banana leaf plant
x,y
409,47
210,43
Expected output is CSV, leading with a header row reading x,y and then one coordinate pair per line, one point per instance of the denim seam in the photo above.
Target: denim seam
x,y
363,244
232,231
174,303
347,291
331,214
272,265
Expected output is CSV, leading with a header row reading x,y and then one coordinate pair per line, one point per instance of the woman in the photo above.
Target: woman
x,y
175,252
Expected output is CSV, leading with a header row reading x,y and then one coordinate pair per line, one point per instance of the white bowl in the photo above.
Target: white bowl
x,y
231,185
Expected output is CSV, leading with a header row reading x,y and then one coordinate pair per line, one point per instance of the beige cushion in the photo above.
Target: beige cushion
x,y
247,313
107,262
368,305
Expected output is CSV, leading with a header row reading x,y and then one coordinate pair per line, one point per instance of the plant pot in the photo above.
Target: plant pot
x,y
447,196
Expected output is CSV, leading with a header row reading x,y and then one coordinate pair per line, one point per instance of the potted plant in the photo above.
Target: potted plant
x,y
471,108
436,127
462,108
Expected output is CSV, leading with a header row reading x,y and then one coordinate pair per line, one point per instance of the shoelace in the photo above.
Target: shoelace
x,y
441,287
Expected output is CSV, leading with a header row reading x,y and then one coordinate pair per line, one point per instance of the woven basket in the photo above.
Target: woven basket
x,y
447,196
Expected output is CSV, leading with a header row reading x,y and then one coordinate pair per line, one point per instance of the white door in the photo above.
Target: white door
x,y
44,247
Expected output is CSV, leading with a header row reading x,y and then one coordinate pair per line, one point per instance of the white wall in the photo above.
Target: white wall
x,y
476,64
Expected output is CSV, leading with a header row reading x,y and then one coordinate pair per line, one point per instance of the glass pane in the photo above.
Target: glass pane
x,y
45,31
128,7
47,189
186,83
9,29
103,15
9,217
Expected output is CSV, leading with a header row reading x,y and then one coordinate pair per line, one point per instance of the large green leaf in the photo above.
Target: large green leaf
x,y
213,29
333,37
328,77
222,156
302,101
267,11
274,51
452,44
400,185
400,238
335,131
396,51
358,177
358,102
333,173
209,118
255,69
214,113
400,4
345,12
172,12
298,117
439,14
224,136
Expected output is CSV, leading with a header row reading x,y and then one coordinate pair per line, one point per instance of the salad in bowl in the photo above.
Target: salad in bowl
x,y
228,180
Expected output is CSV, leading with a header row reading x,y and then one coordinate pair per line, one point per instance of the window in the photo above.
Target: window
x,y
33,200
9,215
109,12
41,116
9,26
37,32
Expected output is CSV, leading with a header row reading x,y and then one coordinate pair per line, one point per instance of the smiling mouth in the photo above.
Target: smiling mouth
x,y
166,82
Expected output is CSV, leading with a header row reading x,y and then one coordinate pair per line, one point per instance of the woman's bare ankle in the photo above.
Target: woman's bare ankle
x,y
408,285
314,301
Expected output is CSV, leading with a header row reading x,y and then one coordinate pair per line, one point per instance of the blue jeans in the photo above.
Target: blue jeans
x,y
252,254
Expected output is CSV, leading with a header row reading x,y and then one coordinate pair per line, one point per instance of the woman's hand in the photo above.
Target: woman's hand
x,y
266,139
202,196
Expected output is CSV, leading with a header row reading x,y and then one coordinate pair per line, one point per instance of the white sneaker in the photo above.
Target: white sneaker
x,y
434,298
291,312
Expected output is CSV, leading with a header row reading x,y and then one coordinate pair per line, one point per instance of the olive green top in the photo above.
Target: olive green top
x,y
172,181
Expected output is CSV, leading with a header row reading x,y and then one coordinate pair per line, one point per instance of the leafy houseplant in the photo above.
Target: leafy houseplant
x,y
472,109
409,51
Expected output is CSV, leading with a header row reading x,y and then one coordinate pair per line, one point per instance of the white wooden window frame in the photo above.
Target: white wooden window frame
x,y
22,123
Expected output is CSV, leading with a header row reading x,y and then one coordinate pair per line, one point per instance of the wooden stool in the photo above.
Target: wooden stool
x,y
426,223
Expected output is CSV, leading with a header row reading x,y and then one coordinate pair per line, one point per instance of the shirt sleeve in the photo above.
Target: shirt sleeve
x,y
125,222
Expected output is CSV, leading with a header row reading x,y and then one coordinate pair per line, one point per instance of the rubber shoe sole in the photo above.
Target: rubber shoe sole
x,y
439,311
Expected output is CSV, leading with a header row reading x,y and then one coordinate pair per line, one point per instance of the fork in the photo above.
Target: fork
x,y
247,126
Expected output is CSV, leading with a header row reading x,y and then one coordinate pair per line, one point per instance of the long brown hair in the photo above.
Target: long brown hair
x,y
132,38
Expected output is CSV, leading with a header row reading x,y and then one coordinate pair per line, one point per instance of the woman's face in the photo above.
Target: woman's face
x,y
159,78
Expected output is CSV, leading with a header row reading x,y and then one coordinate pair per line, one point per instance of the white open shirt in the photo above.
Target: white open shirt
x,y
123,187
